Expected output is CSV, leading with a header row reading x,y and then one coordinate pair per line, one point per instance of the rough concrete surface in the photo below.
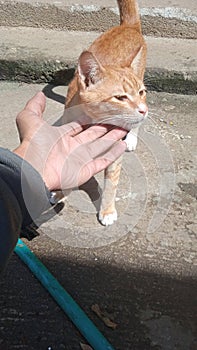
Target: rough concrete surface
x,y
159,18
52,55
41,41
142,270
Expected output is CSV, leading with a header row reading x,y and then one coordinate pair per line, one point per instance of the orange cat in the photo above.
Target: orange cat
x,y
109,86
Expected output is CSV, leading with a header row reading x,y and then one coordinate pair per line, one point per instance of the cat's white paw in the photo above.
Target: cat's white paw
x,y
131,142
108,219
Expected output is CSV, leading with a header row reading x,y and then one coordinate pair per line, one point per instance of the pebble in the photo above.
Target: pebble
x,y
163,121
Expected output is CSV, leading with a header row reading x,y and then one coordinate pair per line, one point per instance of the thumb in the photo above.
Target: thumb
x,y
36,104
31,115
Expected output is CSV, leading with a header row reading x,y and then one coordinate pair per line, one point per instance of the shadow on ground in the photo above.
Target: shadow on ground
x,y
152,311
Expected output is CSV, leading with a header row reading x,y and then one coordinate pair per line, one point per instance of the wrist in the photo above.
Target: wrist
x,y
26,184
21,149
33,159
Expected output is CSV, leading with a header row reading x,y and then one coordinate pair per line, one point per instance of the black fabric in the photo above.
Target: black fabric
x,y
10,223
23,197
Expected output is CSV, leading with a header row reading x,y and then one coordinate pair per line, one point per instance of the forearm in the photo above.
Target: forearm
x,y
23,197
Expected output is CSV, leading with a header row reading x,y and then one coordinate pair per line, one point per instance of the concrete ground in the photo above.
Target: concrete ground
x,y
52,55
40,41
161,18
142,270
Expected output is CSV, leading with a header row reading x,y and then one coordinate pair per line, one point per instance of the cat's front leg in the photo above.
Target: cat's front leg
x,y
108,218
131,139
108,213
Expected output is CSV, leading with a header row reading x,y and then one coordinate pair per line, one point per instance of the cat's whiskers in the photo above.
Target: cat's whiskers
x,y
151,118
156,118
125,121
155,122
154,114
112,118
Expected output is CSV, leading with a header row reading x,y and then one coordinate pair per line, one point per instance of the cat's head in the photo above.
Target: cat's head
x,y
112,95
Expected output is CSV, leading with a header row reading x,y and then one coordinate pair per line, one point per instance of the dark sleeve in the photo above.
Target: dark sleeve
x,y
23,197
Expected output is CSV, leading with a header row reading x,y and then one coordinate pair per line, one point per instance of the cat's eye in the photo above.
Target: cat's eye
x,y
142,92
121,97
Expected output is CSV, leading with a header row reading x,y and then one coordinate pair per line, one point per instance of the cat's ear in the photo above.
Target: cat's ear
x,y
89,68
138,61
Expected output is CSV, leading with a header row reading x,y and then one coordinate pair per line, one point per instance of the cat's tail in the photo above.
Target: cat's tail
x,y
129,13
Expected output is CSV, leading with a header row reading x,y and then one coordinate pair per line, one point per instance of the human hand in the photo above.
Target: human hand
x,y
66,156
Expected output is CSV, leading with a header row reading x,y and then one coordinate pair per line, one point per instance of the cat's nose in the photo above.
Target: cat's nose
x,y
142,109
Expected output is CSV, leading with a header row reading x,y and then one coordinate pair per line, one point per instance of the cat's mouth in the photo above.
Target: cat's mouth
x,y
106,113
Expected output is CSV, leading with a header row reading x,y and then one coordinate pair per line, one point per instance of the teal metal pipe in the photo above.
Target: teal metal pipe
x,y
65,301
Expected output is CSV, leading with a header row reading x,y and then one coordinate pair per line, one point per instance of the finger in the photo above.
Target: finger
x,y
103,144
30,117
91,134
109,157
71,129
36,105
115,134
99,164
